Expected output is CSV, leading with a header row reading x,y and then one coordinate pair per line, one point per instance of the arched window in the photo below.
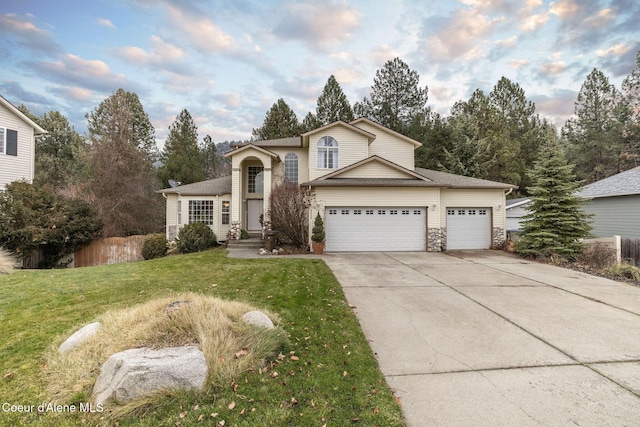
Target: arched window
x,y
327,153
291,168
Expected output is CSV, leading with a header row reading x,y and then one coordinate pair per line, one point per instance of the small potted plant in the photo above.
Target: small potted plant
x,y
317,236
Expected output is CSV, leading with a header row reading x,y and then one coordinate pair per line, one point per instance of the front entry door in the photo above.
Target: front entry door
x,y
255,208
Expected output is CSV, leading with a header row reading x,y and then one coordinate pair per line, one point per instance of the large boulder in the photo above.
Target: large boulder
x,y
257,318
138,372
79,336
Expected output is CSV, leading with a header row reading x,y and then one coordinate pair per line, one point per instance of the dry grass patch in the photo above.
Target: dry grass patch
x,y
7,263
213,324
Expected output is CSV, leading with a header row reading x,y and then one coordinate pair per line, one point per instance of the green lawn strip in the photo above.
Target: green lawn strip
x,y
326,375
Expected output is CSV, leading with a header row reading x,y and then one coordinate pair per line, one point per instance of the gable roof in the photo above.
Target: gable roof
x,y
450,180
293,142
378,126
368,135
22,116
375,158
251,146
211,187
623,184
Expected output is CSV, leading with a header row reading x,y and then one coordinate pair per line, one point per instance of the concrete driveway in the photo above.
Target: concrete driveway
x,y
483,338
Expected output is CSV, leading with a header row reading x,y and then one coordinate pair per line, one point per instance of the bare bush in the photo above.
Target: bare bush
x,y
597,255
288,213
7,262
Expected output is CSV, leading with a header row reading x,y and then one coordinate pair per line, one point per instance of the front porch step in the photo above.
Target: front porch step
x,y
248,243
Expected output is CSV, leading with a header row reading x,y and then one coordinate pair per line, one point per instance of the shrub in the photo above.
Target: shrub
x,y
195,237
624,271
7,262
597,255
244,234
317,233
155,246
288,213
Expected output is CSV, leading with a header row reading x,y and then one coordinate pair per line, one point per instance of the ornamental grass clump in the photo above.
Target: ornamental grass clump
x,y
213,324
7,263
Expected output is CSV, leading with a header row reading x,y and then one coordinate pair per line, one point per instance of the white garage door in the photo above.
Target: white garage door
x,y
350,229
468,228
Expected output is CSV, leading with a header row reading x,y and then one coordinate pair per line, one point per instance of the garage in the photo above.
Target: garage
x,y
361,229
468,228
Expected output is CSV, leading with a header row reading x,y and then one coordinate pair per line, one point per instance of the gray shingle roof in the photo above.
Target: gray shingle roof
x,y
212,187
623,184
294,141
459,181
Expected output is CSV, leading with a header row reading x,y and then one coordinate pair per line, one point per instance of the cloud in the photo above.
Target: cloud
x,y
617,50
557,107
566,10
28,34
203,33
14,90
319,24
72,70
105,23
160,53
533,22
601,19
519,63
382,54
460,36
553,69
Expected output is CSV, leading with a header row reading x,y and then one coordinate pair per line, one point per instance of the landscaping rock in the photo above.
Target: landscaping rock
x,y
79,336
258,318
139,372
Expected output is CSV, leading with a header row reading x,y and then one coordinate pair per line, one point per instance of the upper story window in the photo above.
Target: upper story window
x,y
255,183
2,140
291,168
327,153
8,142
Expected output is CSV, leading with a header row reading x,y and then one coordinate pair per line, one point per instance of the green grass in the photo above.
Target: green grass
x,y
326,375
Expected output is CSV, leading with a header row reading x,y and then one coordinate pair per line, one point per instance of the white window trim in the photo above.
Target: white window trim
x,y
326,146
3,147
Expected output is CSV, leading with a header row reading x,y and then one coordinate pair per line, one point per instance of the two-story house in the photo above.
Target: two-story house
x,y
17,144
365,186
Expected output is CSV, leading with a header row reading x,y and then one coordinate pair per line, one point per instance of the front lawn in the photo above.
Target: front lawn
x,y
326,376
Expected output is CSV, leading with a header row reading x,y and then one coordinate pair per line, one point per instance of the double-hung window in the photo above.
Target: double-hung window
x,y
2,139
327,153
226,211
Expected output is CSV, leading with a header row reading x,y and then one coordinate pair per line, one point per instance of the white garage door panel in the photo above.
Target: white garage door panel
x,y
350,229
468,228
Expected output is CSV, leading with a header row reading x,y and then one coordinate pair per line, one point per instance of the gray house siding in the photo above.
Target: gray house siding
x,y
618,215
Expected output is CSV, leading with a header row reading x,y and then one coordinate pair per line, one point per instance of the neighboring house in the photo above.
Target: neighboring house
x,y
366,187
17,144
516,209
615,205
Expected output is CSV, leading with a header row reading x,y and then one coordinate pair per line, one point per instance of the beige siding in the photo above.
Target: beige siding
x,y
14,168
172,212
352,148
381,197
303,164
390,147
468,198
374,169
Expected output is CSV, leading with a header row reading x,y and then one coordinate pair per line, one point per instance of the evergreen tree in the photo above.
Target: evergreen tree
x,y
58,152
595,138
631,93
182,158
396,99
122,181
211,158
333,104
280,122
310,122
555,222
122,117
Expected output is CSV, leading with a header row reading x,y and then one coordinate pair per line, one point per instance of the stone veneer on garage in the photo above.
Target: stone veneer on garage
x,y
436,239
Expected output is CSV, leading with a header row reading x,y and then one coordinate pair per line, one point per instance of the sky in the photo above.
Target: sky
x,y
228,62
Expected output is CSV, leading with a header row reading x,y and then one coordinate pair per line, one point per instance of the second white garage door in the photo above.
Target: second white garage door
x,y
354,229
468,228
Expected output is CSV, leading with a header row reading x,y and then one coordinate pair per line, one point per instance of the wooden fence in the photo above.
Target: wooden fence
x,y
631,251
112,250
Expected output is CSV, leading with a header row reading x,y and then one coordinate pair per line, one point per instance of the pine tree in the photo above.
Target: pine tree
x,y
396,99
555,222
182,157
280,122
333,104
